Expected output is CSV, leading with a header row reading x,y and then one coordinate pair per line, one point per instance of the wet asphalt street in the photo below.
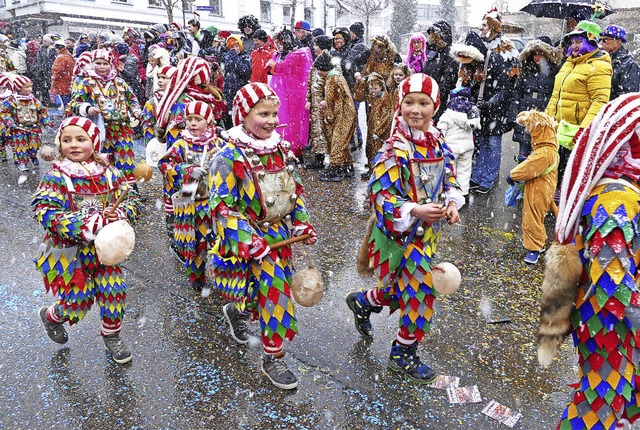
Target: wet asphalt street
x,y
188,373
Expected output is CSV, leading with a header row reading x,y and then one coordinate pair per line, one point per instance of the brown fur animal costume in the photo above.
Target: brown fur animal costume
x,y
540,174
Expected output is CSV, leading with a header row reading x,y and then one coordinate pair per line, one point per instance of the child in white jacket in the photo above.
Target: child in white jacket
x,y
457,124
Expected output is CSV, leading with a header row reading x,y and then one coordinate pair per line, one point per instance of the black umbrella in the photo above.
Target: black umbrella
x,y
562,8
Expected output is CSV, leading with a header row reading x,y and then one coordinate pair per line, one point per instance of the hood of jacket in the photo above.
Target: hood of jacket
x,y
552,54
443,28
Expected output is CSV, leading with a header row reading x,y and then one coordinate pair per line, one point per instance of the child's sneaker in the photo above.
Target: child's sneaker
x,y
23,167
237,323
117,348
55,331
34,161
532,257
278,372
362,312
198,285
405,359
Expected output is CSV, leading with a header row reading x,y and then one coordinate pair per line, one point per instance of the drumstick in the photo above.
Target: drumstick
x,y
289,241
125,191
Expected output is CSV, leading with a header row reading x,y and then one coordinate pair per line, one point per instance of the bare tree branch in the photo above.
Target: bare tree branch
x,y
367,9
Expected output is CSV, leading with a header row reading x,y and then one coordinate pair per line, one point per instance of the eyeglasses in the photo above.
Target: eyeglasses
x,y
605,39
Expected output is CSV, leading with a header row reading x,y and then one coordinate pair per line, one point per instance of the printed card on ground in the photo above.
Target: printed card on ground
x,y
443,382
459,395
502,413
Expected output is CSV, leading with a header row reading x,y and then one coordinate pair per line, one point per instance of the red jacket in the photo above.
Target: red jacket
x,y
259,57
61,73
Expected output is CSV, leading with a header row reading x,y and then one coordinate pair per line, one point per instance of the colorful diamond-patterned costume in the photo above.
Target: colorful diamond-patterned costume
x,y
24,118
69,203
192,219
5,117
256,194
599,210
408,170
117,103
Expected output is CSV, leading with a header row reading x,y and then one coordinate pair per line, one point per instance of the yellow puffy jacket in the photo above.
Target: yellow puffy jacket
x,y
581,88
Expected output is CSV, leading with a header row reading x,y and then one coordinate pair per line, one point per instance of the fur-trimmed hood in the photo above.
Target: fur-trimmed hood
x,y
552,54
471,46
466,51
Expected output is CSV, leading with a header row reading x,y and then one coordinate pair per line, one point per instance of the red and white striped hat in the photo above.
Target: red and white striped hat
x,y
247,97
82,63
201,109
6,82
168,71
189,71
104,54
87,125
19,82
419,83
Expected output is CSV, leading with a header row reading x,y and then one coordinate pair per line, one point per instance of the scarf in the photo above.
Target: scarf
x,y
202,140
596,149
104,79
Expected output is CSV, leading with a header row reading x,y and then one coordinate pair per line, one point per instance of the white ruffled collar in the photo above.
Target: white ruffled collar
x,y
239,134
79,169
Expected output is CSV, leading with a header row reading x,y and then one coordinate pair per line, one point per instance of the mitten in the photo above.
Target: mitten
x,y
259,247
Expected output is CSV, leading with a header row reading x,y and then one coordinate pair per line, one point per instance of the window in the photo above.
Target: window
x,y
286,14
265,11
217,7
156,3
428,12
308,15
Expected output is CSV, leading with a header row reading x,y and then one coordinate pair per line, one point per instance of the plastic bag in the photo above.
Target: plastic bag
x,y
514,193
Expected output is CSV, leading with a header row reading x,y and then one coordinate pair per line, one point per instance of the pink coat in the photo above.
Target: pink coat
x,y
289,79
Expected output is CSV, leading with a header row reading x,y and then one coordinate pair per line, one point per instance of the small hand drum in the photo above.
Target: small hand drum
x,y
446,278
115,242
307,287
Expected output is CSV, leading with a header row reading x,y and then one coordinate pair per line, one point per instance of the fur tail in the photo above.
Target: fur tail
x,y
364,268
559,288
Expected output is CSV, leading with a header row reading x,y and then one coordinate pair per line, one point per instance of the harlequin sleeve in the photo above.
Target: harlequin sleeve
x,y
170,164
8,109
51,206
387,191
81,99
231,195
299,215
129,209
452,191
132,101
148,121
43,114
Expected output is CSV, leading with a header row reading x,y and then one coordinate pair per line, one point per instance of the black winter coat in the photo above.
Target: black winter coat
x,y
356,59
237,71
626,73
532,91
494,110
442,67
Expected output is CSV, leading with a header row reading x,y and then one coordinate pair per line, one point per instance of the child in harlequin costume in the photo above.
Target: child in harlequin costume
x,y
109,101
412,191
255,201
590,283
185,168
163,77
73,203
25,116
6,91
189,83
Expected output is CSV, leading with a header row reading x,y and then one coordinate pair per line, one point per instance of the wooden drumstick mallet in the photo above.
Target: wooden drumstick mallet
x,y
125,191
289,241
